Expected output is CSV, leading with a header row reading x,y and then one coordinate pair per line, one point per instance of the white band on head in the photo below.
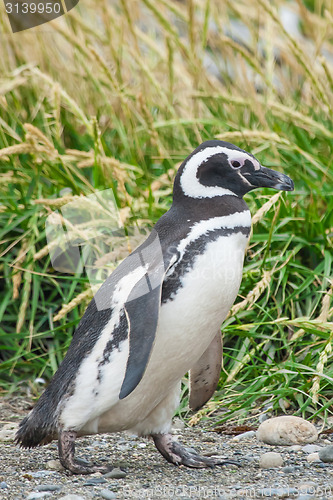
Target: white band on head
x,y
189,181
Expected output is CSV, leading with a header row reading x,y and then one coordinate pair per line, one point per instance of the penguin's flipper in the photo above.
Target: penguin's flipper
x,y
204,376
142,311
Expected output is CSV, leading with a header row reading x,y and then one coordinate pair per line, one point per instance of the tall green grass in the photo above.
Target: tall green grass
x,y
116,94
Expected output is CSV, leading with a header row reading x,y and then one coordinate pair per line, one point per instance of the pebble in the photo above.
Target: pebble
x,y
311,448
286,430
313,457
54,465
95,481
263,417
295,447
42,473
115,474
8,431
326,454
3,485
284,404
270,459
244,435
290,469
108,495
308,487
72,497
36,496
178,424
48,487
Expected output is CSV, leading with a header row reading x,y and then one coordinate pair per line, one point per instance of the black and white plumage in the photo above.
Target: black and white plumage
x,y
158,316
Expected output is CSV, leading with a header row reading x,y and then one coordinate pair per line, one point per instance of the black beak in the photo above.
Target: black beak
x,y
265,177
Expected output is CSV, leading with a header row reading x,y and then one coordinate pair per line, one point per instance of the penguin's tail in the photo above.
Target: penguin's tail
x,y
34,430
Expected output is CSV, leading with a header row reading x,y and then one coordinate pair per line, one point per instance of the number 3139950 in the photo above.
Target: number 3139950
x,y
32,8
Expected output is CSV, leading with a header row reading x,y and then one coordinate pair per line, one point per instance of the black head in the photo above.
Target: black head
x,y
218,168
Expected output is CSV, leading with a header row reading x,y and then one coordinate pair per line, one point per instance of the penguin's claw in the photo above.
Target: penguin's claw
x,y
66,447
82,467
177,454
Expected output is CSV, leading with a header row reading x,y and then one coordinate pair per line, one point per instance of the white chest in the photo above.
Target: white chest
x,y
188,323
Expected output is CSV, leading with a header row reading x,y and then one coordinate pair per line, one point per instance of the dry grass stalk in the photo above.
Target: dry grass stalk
x,y
17,149
253,294
323,357
35,135
83,297
27,278
65,96
17,277
266,207
210,407
271,106
253,135
299,53
56,202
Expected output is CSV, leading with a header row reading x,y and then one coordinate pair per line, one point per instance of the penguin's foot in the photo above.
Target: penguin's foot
x,y
177,454
66,447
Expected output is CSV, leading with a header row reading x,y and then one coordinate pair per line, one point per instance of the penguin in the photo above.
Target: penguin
x,y
157,317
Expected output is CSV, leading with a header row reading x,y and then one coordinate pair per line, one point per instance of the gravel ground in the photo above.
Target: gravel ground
x,y
31,474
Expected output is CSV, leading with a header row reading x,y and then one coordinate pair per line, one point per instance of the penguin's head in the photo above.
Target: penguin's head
x,y
217,168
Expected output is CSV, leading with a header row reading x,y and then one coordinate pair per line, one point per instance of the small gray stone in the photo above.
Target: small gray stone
x,y
290,469
263,417
94,481
48,487
72,497
36,496
3,485
311,448
270,460
41,473
326,454
108,494
244,435
115,474
307,488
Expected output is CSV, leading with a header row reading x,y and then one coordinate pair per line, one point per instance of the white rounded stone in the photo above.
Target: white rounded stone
x,y
313,457
270,459
286,430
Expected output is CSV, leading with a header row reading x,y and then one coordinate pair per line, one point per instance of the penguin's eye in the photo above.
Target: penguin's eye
x,y
236,163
